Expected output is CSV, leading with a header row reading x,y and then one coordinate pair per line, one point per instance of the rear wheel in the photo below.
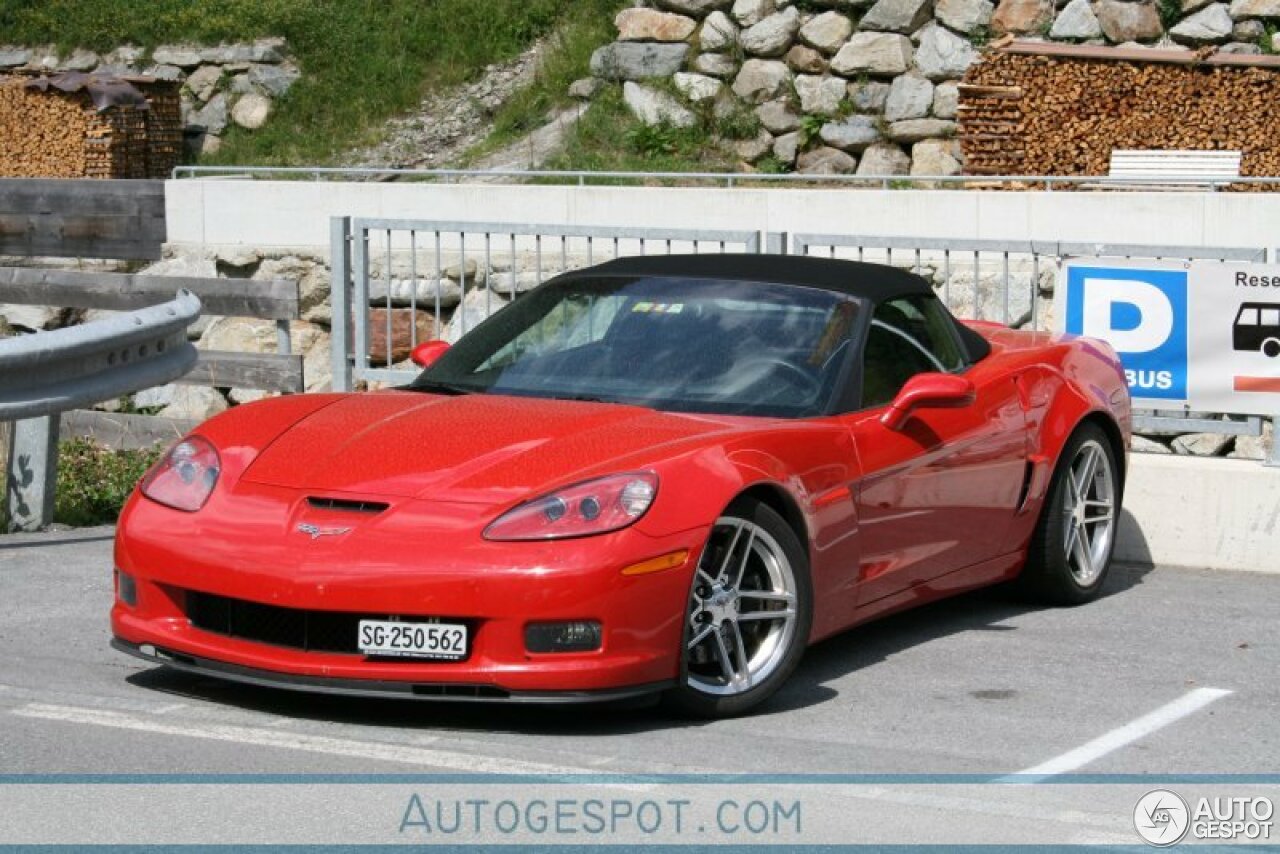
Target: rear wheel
x,y
748,614
1271,347
1071,549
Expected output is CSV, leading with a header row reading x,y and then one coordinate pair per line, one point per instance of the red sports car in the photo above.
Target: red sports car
x,y
655,475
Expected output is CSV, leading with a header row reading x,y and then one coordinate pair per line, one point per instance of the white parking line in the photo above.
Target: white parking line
x,y
1187,704
403,754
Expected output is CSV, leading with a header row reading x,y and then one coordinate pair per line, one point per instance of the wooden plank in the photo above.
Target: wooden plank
x,y
124,432
82,218
70,236
261,371
1127,54
49,195
271,299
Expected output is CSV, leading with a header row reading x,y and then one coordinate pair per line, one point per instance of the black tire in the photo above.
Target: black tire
x,y
1048,576
686,699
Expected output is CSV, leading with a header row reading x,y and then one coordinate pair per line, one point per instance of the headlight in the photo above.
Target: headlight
x,y
594,507
186,476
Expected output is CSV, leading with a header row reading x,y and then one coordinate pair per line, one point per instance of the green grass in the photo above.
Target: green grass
x,y
587,26
363,61
94,482
608,138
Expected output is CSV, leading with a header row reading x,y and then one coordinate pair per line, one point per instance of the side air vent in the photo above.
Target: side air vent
x,y
343,505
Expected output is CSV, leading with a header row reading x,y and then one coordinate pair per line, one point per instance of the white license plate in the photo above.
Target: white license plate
x,y
413,640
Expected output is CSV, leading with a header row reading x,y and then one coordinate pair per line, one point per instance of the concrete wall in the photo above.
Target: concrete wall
x,y
295,214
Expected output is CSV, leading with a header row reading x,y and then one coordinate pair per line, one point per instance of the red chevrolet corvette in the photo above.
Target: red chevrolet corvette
x,y
655,475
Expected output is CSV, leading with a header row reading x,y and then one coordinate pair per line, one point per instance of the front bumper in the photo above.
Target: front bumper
x,y
375,688
417,560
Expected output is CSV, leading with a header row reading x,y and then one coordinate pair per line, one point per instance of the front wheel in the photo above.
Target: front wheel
x,y
1071,549
748,615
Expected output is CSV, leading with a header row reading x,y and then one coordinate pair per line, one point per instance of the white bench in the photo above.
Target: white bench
x,y
1176,168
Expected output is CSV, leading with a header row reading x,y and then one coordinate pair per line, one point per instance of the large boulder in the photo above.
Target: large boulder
x,y
407,328
874,53
194,403
884,159
786,147
650,25
827,32
212,117
1241,9
964,15
898,16
275,80
826,161
476,307
915,130
748,13
718,33
821,96
313,284
935,157
1211,25
869,96
638,60
761,80
1124,21
773,35
656,108
1021,16
720,65
943,55
778,117
1076,21
910,97
698,88
946,100
852,134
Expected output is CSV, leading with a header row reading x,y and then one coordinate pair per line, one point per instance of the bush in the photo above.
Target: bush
x,y
94,482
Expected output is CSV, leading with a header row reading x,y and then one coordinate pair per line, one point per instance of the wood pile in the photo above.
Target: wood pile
x,y
54,134
1024,114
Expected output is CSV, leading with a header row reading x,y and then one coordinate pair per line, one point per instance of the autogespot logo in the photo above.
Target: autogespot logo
x,y
1161,817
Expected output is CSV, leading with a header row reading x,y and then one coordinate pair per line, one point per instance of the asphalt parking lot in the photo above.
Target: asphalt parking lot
x,y
977,685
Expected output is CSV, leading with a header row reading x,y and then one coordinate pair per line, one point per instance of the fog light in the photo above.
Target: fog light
x,y
126,588
578,636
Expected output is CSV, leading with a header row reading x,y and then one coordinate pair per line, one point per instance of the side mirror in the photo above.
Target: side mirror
x,y
928,391
428,352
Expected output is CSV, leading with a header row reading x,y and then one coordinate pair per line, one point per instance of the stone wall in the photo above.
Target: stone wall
x,y
221,85
868,86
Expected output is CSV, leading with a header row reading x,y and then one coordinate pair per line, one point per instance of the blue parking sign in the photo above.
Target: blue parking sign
x,y
1142,313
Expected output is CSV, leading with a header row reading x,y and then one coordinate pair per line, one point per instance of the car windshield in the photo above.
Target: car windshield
x,y
691,345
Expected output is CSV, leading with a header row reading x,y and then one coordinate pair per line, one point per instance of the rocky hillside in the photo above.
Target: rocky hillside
x,y
869,86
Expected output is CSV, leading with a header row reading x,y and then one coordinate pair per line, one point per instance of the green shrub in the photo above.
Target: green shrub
x,y
94,482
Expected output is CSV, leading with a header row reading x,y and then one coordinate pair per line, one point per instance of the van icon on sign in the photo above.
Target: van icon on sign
x,y
1257,327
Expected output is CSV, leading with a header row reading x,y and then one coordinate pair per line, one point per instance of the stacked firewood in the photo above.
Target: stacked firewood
x,y
1058,115
55,134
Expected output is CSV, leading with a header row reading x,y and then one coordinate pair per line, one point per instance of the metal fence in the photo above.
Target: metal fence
x,y
435,265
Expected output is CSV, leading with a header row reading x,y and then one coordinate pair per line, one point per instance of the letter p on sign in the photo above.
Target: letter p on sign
x,y
1142,313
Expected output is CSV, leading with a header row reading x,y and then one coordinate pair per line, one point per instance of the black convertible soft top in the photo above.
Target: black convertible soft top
x,y
874,282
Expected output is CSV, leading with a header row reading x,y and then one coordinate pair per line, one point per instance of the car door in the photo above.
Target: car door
x,y
938,494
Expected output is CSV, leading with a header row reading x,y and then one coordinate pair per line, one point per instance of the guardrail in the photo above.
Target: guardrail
x,y
47,373
729,179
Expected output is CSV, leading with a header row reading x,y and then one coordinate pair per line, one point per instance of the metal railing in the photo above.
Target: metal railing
x,y
433,265
47,373
584,178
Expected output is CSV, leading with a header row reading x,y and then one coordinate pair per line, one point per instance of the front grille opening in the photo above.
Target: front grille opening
x,y
343,505
295,628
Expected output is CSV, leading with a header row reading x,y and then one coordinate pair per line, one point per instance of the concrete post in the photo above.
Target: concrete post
x,y
32,473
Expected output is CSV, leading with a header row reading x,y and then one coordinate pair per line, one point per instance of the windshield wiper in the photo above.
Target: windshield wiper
x,y
441,388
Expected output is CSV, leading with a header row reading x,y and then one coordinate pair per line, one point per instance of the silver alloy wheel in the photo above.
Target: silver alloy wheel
x,y
742,609
1089,512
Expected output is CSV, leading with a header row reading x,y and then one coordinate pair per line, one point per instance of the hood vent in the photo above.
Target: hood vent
x,y
343,505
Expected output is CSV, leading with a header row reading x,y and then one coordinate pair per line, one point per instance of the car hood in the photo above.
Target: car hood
x,y
473,448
